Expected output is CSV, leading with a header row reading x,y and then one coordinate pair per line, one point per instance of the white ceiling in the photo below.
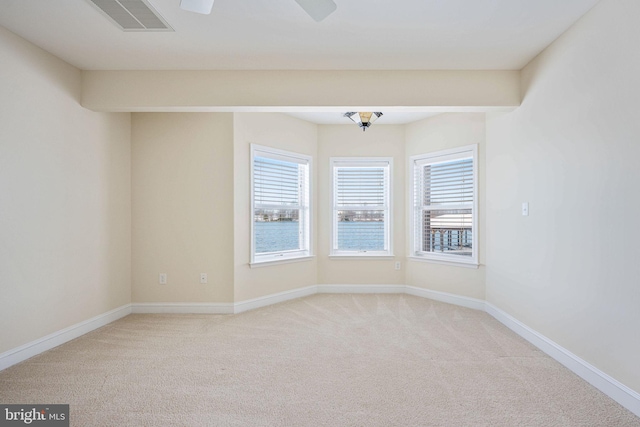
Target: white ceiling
x,y
277,34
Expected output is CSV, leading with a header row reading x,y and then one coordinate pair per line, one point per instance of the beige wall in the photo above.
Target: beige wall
x,y
350,141
440,133
182,187
570,270
175,196
242,90
286,133
65,200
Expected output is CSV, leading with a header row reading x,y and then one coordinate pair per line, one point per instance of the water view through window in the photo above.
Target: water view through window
x,y
360,206
280,205
276,231
362,236
276,236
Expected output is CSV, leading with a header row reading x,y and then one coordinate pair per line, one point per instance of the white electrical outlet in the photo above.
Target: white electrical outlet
x,y
203,278
398,265
525,209
162,278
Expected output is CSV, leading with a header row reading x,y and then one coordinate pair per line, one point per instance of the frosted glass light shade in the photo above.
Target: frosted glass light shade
x,y
363,119
318,9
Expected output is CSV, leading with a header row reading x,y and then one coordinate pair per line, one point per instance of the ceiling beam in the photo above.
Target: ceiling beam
x,y
270,90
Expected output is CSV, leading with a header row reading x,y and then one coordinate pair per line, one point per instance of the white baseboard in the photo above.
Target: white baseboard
x,y
251,304
361,289
603,382
622,394
182,308
24,352
468,302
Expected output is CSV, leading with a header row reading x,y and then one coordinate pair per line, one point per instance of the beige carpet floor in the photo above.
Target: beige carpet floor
x,y
324,360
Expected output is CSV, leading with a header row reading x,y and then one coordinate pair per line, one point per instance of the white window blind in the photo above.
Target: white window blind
x,y
280,204
361,206
444,205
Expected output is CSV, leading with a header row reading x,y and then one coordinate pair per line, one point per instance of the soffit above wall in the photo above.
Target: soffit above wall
x,y
301,91
388,117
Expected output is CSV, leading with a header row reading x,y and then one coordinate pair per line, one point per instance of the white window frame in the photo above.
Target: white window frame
x,y
388,211
306,227
415,226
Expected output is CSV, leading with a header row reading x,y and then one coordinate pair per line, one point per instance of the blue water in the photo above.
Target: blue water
x,y
361,236
284,236
276,236
368,236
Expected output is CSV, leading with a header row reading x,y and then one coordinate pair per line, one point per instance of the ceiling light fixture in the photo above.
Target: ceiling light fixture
x,y
364,120
318,9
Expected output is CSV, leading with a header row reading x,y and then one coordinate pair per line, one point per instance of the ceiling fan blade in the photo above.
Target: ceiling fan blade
x,y
198,6
318,9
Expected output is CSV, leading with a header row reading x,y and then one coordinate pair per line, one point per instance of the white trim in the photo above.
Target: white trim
x,y
281,261
181,308
284,155
356,162
442,262
468,302
307,209
26,351
362,257
266,300
55,339
279,257
361,289
617,391
362,254
444,155
384,162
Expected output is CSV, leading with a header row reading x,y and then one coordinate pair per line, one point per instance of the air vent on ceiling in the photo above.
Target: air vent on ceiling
x,y
132,15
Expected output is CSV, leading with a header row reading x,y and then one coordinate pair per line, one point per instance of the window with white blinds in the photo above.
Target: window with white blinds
x,y
361,206
280,194
445,205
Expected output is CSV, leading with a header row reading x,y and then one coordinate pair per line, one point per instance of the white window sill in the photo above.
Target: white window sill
x,y
445,262
280,261
360,256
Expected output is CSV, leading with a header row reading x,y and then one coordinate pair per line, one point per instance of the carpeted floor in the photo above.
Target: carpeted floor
x,y
324,360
